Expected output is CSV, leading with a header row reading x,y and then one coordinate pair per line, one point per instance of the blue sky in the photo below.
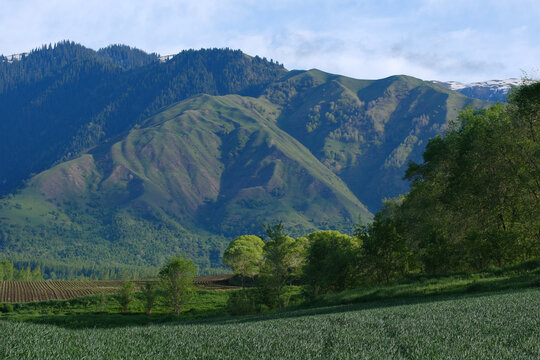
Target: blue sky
x,y
431,39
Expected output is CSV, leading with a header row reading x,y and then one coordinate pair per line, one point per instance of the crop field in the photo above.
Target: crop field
x,y
503,325
28,291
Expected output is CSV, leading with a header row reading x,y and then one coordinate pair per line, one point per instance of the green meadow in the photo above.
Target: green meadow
x,y
500,325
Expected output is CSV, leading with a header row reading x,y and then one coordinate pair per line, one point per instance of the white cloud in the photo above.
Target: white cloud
x,y
432,39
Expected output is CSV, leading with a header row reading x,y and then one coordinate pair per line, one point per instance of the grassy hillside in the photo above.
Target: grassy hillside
x,y
199,171
60,100
366,131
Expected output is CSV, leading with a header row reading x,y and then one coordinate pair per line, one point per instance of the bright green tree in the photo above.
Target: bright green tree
x,y
36,274
176,280
244,256
297,258
474,200
6,270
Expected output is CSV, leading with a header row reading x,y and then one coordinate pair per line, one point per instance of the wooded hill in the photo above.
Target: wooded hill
x,y
135,159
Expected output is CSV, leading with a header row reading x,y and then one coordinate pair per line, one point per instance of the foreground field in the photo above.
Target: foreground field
x,y
504,325
29,291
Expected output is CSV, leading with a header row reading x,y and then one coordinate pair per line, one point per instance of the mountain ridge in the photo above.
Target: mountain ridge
x,y
181,156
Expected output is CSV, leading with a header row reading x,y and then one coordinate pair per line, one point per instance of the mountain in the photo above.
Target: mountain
x,y
203,167
59,101
365,131
137,156
492,90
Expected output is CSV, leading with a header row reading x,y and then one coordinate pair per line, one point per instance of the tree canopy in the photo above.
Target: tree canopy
x,y
332,261
244,255
176,280
475,200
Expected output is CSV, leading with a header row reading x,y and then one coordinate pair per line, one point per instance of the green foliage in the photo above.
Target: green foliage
x,y
279,256
102,302
127,57
79,270
244,255
106,309
242,302
6,270
386,255
332,262
9,273
149,292
524,275
473,201
125,296
176,281
296,259
6,307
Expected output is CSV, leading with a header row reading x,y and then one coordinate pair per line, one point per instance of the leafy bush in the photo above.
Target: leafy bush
x,y
6,307
241,303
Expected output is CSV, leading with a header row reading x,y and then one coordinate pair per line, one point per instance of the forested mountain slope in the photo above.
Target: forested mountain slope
x,y
137,159
59,101
365,131
207,165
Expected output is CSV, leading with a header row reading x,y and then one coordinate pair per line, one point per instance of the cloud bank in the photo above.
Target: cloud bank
x,y
429,39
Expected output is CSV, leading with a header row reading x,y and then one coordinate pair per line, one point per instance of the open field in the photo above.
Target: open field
x,y
502,325
29,291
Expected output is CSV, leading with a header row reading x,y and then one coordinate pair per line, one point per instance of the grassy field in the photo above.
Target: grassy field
x,y
502,325
489,315
524,275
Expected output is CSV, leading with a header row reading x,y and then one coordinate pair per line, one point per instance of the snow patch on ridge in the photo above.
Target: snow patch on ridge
x,y
494,85
15,57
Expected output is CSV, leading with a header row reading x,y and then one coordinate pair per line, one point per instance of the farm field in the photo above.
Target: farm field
x,y
502,325
29,291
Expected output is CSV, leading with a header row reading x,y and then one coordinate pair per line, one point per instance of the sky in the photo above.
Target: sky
x,y
459,40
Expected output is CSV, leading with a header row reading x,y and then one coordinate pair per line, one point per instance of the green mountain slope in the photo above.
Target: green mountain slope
x,y
137,160
202,170
365,131
59,101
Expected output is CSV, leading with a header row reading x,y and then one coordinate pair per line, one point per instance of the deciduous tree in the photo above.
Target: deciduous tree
x,y
176,279
244,256
277,260
125,296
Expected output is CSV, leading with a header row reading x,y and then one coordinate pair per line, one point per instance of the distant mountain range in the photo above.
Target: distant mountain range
x,y
117,156
492,90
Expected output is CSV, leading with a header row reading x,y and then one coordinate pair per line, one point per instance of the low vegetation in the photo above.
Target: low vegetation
x,y
500,325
